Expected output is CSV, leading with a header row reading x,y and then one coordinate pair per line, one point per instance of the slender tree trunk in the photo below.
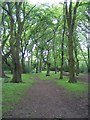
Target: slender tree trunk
x,y
55,66
77,67
48,65
83,56
37,63
76,55
54,54
29,67
31,61
88,59
23,63
40,66
77,61
62,45
48,69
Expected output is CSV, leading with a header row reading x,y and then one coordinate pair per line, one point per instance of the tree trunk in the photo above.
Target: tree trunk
x,y
48,69
76,55
15,43
62,45
54,54
71,17
88,50
37,63
77,67
29,67
71,60
48,65
23,63
16,70
77,61
2,74
16,62
40,66
31,62
55,66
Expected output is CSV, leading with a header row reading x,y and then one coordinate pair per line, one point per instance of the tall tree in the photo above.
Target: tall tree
x,y
71,17
62,43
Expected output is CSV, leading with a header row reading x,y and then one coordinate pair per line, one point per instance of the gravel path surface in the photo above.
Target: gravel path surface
x,y
47,100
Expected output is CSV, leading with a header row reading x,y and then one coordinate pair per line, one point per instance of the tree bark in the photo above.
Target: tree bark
x,y
62,45
40,66
23,63
15,43
88,59
37,62
48,65
54,54
71,22
76,57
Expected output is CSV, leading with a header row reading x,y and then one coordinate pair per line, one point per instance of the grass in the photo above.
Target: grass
x,y
13,92
52,76
71,87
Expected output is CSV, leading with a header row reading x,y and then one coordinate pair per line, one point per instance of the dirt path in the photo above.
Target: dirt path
x,y
47,100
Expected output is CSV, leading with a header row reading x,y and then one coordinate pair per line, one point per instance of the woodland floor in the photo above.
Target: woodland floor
x,y
47,100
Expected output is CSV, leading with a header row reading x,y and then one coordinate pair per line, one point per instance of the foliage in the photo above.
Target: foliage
x,y
39,29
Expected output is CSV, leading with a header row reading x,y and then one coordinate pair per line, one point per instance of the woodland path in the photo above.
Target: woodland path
x,y
47,100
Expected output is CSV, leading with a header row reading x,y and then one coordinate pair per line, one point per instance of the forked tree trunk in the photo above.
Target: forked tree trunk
x,y
15,42
71,17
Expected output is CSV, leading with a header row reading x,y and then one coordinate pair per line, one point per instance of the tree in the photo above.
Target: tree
x,y
71,17
62,43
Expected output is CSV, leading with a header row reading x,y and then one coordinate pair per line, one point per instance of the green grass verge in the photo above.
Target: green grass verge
x,y
13,92
71,87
